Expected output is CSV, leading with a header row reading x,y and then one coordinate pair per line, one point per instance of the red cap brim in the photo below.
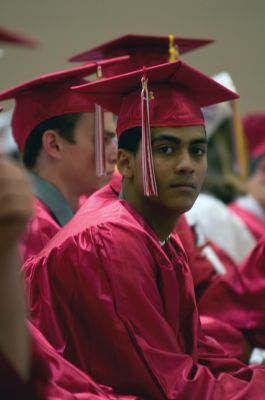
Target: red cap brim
x,y
131,44
10,37
109,92
48,96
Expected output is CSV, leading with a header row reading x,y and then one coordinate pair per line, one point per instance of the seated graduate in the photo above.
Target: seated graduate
x,y
30,367
123,305
55,129
250,209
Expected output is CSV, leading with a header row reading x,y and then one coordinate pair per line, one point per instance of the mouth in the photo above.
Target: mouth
x,y
183,186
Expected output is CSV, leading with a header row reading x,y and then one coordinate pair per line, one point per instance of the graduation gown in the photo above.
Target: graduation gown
x,y
50,213
52,377
213,219
254,222
202,269
241,293
122,308
203,274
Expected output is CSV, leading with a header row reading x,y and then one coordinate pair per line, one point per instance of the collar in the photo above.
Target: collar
x,y
52,198
164,241
251,204
144,223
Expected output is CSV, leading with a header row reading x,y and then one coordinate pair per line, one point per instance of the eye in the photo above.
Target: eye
x,y
199,151
166,149
110,139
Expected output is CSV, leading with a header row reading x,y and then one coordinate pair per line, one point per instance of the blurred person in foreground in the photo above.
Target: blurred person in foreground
x,y
30,368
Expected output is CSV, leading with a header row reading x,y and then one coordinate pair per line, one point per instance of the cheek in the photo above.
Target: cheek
x,y
162,167
83,164
88,154
202,170
138,174
110,150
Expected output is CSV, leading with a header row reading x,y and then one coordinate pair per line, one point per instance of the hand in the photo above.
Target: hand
x,y
15,202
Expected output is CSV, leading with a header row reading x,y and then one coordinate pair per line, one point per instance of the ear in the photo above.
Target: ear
x,y
52,144
125,163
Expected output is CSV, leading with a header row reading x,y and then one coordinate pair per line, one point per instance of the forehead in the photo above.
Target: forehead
x,y
183,133
86,122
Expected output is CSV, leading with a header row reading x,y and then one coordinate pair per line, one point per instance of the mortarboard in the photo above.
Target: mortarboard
x,y
10,37
254,129
48,96
178,92
144,50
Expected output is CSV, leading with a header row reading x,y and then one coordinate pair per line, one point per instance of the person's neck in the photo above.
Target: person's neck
x,y
162,225
71,198
162,221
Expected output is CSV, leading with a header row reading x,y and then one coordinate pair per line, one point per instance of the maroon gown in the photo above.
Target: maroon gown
x,y
122,308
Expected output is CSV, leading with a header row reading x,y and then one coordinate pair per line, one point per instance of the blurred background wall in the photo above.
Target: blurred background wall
x,y
65,27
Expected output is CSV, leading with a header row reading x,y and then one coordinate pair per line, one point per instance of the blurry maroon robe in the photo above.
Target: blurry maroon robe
x,y
52,378
40,229
238,297
122,308
255,224
203,274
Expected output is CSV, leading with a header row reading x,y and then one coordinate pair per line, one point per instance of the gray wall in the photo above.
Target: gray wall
x,y
65,27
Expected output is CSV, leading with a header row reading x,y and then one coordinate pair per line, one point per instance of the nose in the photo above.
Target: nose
x,y
184,163
111,152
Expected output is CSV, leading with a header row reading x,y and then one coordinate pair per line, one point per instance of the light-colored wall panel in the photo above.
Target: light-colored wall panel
x,y
65,27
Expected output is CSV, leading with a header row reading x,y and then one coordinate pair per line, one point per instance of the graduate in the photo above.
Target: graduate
x,y
123,306
250,209
224,179
55,129
228,245
30,367
148,50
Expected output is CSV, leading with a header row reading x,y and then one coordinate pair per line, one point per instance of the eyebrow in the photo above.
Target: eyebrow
x,y
170,138
109,133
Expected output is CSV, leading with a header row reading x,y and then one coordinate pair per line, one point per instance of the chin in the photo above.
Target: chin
x,y
180,207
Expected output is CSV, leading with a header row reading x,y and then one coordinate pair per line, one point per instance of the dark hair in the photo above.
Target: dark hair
x,y
63,124
221,179
130,139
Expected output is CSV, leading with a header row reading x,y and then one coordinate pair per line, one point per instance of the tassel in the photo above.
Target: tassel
x,y
240,147
173,53
99,135
149,181
99,141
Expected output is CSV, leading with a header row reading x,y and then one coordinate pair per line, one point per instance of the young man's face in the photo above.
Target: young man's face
x,y
79,165
180,163
110,147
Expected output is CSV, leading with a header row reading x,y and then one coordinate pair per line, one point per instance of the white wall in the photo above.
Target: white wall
x,y
65,27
